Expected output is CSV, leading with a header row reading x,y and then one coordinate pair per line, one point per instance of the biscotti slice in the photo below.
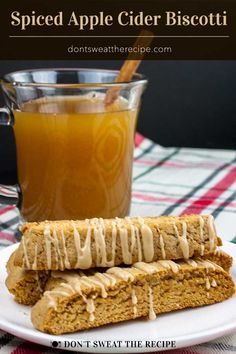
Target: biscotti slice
x,y
120,294
27,286
60,245
221,258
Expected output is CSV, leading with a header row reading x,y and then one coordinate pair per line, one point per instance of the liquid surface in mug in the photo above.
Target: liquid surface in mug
x,y
74,157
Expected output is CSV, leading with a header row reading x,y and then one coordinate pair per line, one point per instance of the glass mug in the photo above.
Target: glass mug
x,y
74,151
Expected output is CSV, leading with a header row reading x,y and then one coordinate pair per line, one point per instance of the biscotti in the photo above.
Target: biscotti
x,y
60,245
28,286
221,258
78,302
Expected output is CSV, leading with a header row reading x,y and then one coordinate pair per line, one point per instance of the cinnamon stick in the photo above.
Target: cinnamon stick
x,y
130,65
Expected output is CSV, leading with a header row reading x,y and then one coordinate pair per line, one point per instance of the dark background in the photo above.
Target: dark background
x,y
187,103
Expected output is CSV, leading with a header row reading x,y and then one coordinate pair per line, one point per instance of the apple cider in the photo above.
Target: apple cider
x,y
74,157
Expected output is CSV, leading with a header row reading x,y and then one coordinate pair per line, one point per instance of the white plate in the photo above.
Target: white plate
x,y
185,327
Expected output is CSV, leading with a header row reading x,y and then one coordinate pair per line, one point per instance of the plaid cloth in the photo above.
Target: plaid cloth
x,y
171,181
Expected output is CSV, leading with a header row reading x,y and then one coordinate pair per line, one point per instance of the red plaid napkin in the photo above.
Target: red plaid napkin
x,y
166,181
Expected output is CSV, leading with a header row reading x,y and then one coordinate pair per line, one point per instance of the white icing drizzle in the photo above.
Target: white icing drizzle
x,y
140,255
54,241
68,286
170,265
100,243
70,278
106,279
147,267
90,308
95,282
57,249
66,259
212,233
133,241
132,236
111,263
176,230
183,241
162,245
135,238
208,285
134,302
202,249
121,273
147,240
25,259
75,282
51,238
191,262
76,279
152,315
124,241
201,225
84,256
207,264
218,252
47,237
214,283
51,299
34,265
51,296
75,287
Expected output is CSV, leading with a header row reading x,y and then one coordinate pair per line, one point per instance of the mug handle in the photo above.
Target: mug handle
x,y
8,196
6,116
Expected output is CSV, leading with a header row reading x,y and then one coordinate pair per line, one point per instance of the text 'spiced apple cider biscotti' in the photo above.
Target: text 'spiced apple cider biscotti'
x,y
75,157
59,245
